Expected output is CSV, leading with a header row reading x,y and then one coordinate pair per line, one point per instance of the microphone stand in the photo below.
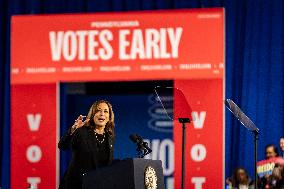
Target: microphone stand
x,y
240,115
183,121
142,151
256,133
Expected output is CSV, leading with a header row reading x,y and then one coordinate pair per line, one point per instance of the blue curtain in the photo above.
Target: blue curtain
x,y
254,76
254,65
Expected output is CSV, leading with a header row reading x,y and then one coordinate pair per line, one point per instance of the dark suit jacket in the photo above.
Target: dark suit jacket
x,y
84,155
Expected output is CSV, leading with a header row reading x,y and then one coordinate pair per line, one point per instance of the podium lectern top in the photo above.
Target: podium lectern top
x,y
133,173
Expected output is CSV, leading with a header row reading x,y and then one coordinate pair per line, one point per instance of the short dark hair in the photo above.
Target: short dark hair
x,y
275,149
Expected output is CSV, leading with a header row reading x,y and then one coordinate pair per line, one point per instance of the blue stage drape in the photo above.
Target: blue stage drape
x,y
254,65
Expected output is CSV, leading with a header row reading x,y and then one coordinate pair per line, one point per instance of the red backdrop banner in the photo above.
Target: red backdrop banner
x,y
121,46
33,136
186,46
204,135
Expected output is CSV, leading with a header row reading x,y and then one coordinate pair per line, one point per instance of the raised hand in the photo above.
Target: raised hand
x,y
79,123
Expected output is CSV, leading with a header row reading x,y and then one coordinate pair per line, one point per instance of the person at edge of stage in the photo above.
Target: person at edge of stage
x,y
269,181
240,180
281,144
91,141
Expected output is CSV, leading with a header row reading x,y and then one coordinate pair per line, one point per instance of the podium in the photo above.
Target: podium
x,y
133,173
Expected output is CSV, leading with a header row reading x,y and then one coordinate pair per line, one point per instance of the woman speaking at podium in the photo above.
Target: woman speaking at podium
x,y
91,142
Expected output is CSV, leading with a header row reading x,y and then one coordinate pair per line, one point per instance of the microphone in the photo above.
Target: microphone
x,y
138,140
134,138
140,143
145,144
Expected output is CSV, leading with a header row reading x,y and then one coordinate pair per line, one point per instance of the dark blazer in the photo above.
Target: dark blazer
x,y
84,155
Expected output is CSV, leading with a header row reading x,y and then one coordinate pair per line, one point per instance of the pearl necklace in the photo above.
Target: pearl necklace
x,y
97,138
